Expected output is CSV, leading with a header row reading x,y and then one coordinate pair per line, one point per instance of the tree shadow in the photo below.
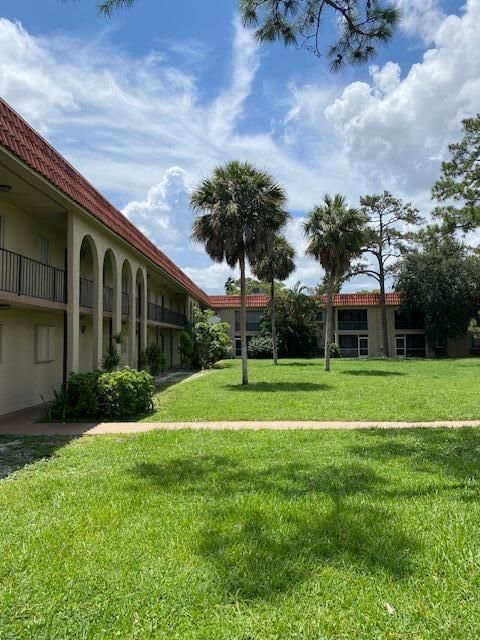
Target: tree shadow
x,y
371,373
297,364
18,451
274,526
272,387
454,452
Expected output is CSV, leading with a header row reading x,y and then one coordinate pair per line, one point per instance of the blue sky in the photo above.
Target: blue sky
x,y
147,103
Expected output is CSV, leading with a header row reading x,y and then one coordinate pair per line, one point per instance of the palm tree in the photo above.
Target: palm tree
x,y
278,264
336,234
241,211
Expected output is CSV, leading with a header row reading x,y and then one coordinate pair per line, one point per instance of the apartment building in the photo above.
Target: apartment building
x,y
73,273
357,327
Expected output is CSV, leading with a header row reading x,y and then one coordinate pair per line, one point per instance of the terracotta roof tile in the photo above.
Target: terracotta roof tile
x,y
340,300
258,301
18,137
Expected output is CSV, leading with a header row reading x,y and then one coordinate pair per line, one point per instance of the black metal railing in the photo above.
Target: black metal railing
x,y
107,298
156,313
125,304
86,293
353,325
26,277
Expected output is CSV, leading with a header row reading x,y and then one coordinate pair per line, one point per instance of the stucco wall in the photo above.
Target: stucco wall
x,y
22,381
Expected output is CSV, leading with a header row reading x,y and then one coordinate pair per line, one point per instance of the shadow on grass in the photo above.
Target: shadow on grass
x,y
269,528
298,364
454,452
18,451
272,387
371,372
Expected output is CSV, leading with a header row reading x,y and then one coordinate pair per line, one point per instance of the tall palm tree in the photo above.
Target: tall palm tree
x,y
336,234
278,264
241,210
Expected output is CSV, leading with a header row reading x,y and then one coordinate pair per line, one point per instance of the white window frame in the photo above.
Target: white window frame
x,y
403,337
44,343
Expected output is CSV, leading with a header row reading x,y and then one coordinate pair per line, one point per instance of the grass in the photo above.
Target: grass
x,y
372,535
354,390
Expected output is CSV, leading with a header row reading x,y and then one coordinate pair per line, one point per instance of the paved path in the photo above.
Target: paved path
x,y
23,423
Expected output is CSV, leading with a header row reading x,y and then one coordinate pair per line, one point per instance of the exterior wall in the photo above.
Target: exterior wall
x,y
22,231
24,382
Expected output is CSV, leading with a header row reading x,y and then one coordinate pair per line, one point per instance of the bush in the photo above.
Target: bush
x,y
98,394
156,360
260,347
185,347
335,351
211,339
125,394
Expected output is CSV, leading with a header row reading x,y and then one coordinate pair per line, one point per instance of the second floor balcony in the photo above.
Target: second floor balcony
x,y
157,313
24,276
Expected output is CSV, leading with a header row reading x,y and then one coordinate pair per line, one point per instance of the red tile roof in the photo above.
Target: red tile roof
x,y
257,301
18,137
340,300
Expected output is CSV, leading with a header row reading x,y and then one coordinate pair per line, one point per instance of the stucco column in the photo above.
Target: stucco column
x,y
73,294
98,313
132,324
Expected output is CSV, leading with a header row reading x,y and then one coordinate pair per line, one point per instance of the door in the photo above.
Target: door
x,y
363,346
400,346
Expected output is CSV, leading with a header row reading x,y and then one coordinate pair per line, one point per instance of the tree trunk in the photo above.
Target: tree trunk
x,y
329,323
274,323
243,320
383,311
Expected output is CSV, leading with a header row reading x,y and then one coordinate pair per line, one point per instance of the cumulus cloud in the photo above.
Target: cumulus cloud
x,y
395,130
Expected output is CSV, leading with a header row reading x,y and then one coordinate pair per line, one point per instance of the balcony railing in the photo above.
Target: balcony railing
x,y
125,304
86,293
156,313
352,325
107,298
26,277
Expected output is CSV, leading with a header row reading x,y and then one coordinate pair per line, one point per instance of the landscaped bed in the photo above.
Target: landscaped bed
x,y
354,390
260,535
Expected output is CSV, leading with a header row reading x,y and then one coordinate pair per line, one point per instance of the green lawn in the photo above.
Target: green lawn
x,y
353,390
365,535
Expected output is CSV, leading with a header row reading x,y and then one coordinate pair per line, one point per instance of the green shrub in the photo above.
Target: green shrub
x,y
335,351
156,360
125,394
211,339
260,347
185,347
99,394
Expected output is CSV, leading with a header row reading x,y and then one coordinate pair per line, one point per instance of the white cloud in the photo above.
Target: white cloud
x,y
421,17
395,131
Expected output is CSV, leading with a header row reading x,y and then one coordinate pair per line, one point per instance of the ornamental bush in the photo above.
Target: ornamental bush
x,y
103,395
260,347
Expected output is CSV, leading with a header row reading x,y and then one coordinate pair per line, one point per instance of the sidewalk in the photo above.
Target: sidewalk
x,y
24,423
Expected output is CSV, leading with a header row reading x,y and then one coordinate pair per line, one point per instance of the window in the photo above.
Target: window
x,y
238,345
43,249
253,320
410,345
348,346
410,321
44,343
318,317
352,319
2,231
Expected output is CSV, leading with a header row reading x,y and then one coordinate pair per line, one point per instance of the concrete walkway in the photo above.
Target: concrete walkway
x,y
24,423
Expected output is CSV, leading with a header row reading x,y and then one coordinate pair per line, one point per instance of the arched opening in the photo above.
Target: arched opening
x,y
141,326
127,321
87,303
110,322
